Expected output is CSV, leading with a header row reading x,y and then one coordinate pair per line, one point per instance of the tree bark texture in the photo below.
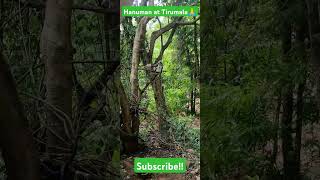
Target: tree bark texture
x,y
286,122
314,33
18,150
56,49
136,55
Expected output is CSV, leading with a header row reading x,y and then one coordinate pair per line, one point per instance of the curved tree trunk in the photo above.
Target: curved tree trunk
x,y
21,158
134,78
159,97
130,106
135,60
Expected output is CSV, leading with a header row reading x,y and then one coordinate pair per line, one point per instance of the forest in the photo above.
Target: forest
x,y
161,74
260,93
83,91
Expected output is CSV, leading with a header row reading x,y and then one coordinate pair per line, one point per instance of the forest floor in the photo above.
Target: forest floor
x,y
310,152
154,150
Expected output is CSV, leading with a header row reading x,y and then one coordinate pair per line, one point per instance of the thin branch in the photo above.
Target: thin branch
x,y
147,85
166,45
156,34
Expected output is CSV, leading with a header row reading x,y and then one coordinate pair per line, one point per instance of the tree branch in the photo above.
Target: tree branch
x,y
156,34
166,45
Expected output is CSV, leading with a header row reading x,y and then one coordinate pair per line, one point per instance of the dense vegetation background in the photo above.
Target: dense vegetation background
x,y
160,75
259,89
64,124
81,95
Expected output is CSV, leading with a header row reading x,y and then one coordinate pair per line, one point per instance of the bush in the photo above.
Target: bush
x,y
182,132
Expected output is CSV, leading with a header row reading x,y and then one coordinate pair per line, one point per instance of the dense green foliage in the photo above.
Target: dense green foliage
x,y
176,80
243,74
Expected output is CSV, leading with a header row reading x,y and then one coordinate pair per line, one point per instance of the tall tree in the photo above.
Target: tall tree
x,y
286,123
138,45
300,49
153,69
136,55
155,76
130,104
314,33
155,73
112,36
195,69
56,52
19,153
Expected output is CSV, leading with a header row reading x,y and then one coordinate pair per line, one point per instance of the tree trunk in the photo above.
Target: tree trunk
x,y
112,36
192,100
159,97
287,140
301,51
276,135
134,78
135,60
195,69
56,52
314,33
2,9
130,103
19,153
161,105
129,141
286,124
125,109
299,128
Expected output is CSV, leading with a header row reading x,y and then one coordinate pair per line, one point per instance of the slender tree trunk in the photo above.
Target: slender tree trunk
x,y
160,100
287,140
1,20
136,55
314,33
193,89
192,100
161,105
125,109
155,77
129,141
286,124
112,36
299,127
225,71
19,153
134,78
56,52
301,51
130,104
195,68
276,127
